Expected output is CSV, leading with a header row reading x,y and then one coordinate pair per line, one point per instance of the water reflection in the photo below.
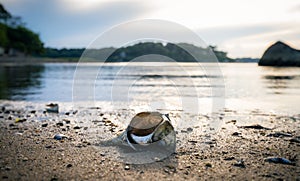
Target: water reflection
x,y
277,83
17,81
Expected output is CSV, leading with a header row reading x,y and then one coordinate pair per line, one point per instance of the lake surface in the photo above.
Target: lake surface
x,y
236,86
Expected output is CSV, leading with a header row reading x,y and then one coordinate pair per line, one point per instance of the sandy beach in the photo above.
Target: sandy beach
x,y
240,150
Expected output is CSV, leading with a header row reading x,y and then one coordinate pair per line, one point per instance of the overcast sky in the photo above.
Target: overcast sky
x,y
243,28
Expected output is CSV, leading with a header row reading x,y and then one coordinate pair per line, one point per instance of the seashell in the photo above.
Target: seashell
x,y
150,130
52,108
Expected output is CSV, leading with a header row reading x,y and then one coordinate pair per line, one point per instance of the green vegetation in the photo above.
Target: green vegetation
x,y
15,36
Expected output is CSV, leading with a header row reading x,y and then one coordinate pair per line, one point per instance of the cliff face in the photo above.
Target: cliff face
x,y
280,54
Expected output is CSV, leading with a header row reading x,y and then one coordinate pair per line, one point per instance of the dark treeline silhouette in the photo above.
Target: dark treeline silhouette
x,y
176,52
15,37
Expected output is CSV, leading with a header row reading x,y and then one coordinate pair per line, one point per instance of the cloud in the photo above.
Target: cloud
x,y
234,26
250,40
295,9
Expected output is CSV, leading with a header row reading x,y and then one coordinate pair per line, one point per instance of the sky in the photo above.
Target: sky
x,y
243,28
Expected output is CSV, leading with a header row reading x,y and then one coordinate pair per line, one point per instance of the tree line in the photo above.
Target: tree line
x,y
15,36
177,52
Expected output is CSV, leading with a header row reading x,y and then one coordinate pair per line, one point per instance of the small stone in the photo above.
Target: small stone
x,y
69,165
279,134
240,164
44,125
189,129
33,111
76,127
229,158
48,146
25,159
208,165
255,126
166,170
236,134
59,124
11,125
127,167
295,140
279,160
192,141
60,136
67,121
231,121
18,120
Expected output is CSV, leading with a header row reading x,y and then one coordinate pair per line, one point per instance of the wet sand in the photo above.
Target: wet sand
x,y
238,151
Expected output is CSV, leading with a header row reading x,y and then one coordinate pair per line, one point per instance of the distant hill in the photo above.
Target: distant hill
x,y
280,54
167,51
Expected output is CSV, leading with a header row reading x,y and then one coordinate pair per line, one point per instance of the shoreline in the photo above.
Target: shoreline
x,y
37,60
235,152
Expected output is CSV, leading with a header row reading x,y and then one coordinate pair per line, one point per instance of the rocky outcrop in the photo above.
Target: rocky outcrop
x,y
280,54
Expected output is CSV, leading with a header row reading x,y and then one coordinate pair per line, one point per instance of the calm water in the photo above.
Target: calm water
x,y
245,86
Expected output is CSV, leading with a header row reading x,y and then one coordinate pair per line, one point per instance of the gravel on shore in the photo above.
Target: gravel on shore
x,y
249,146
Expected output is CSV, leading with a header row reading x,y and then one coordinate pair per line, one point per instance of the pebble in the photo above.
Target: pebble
x,y
127,167
18,120
231,121
236,134
279,134
279,160
229,158
208,165
166,170
11,125
69,165
33,111
255,126
67,121
60,136
59,124
240,164
189,129
45,125
295,140
48,146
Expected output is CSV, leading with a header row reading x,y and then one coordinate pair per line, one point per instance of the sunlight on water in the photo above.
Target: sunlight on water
x,y
163,86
